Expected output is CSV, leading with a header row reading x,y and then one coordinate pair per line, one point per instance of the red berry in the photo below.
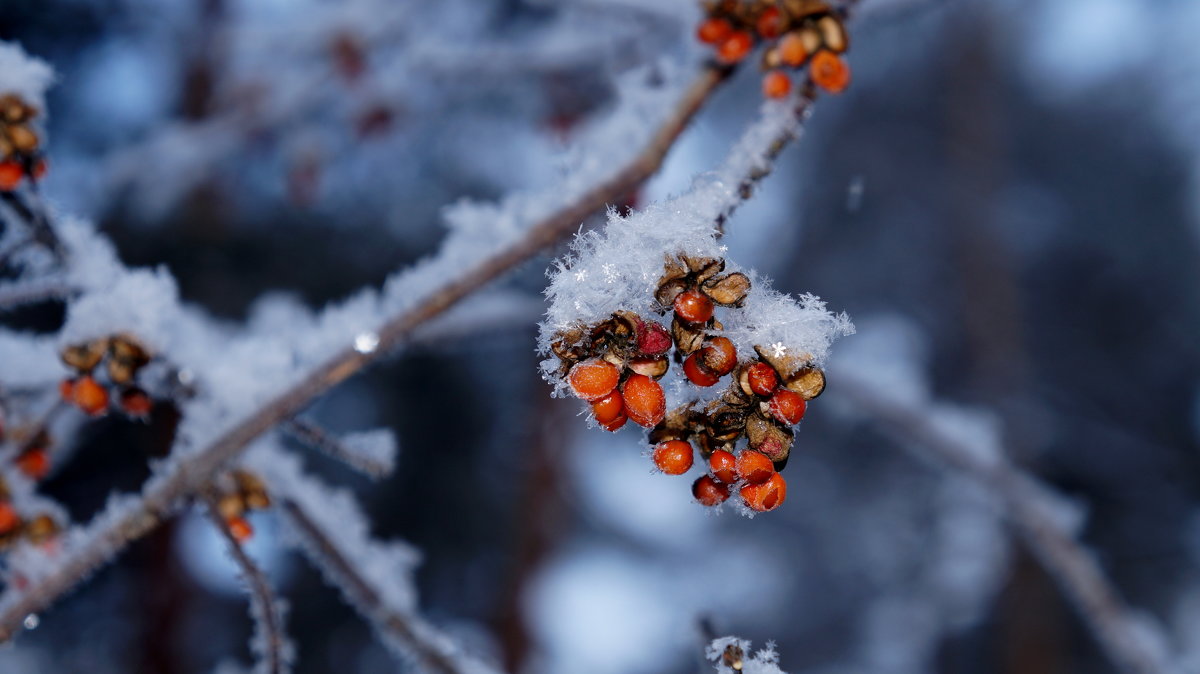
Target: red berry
x,y
616,424
693,306
10,175
771,23
136,402
593,379
787,407
766,496
735,47
696,373
240,529
35,463
792,50
708,491
714,30
9,519
90,396
829,72
762,378
645,402
673,457
723,466
653,339
776,84
719,356
754,467
609,408
66,389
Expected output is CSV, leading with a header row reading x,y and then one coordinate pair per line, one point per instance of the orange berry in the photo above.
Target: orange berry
x,y
240,529
39,168
645,402
708,491
136,402
673,457
735,47
90,396
830,72
66,389
9,519
755,468
766,496
771,23
35,463
792,50
723,466
787,407
714,30
719,355
593,379
10,175
696,373
609,408
693,306
776,84
762,379
616,424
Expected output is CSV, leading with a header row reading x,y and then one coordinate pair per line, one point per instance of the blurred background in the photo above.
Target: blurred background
x,y
1005,200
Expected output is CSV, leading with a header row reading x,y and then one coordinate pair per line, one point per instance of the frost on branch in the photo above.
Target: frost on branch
x,y
731,655
24,75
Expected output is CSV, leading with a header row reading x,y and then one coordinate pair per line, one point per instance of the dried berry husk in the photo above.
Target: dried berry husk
x,y
729,290
810,37
678,424
704,268
707,445
15,110
253,490
787,365
768,437
84,357
725,424
809,382
23,139
126,357
688,338
833,34
40,529
651,367
230,505
733,656
667,291
5,494
734,396
569,347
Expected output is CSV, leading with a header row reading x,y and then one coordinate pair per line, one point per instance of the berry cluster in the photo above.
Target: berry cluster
x,y
37,530
123,357
615,365
242,493
798,33
20,155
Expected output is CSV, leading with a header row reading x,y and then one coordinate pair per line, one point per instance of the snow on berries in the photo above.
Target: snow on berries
x,y
796,33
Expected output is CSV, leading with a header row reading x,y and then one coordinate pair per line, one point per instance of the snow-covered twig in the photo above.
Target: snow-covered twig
x,y
1035,513
16,295
376,457
270,642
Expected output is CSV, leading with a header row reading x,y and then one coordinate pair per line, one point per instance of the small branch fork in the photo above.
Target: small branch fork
x,y
192,474
1028,507
268,615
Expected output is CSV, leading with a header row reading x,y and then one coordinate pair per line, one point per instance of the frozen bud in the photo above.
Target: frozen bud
x,y
769,438
688,338
652,338
833,33
23,138
809,382
733,657
84,357
651,367
728,290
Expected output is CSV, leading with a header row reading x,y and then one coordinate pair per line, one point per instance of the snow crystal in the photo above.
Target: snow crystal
x,y
764,661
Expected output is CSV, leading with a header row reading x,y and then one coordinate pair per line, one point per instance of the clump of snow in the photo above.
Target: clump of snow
x,y
764,661
24,75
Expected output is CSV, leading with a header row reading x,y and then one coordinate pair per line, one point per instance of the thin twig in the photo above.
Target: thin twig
x,y
268,616
193,473
34,217
361,593
311,434
1028,507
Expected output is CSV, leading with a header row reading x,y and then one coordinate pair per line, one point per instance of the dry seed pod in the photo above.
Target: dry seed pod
x,y
230,506
725,424
84,357
810,37
769,438
668,290
809,382
733,657
253,490
728,290
23,139
40,529
126,347
687,338
785,364
704,268
833,34
651,367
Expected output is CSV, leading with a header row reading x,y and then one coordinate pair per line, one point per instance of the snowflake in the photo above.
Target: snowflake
x,y
778,349
610,272
581,275
724,248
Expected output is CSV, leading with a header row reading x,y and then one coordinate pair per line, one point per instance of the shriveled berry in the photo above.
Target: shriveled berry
x,y
609,408
735,47
694,370
762,379
653,338
9,519
673,457
776,84
593,379
645,402
719,355
90,396
771,23
35,463
787,407
723,466
240,529
754,467
693,306
714,30
708,491
10,175
766,496
830,72
792,50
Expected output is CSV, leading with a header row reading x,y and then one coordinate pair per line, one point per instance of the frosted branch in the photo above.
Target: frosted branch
x,y
372,453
